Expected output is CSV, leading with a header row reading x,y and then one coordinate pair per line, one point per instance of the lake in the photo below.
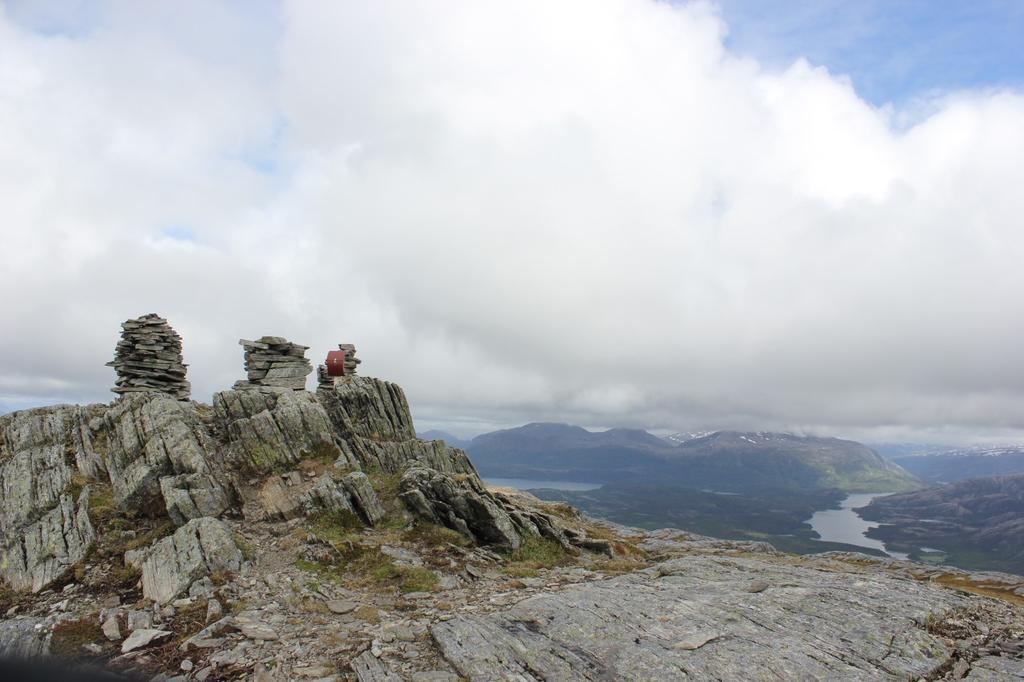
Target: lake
x,y
533,484
843,525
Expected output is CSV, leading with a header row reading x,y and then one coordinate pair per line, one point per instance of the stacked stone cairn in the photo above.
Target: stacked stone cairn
x,y
325,380
148,358
272,362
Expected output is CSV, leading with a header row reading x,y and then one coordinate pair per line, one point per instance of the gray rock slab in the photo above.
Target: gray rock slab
x,y
695,617
143,638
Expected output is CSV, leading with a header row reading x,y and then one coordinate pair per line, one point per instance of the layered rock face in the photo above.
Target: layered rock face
x,y
148,358
45,526
274,362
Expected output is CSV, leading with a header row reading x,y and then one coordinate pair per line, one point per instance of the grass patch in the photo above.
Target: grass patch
x,y
964,585
102,509
540,553
521,571
334,527
434,535
70,636
417,579
369,567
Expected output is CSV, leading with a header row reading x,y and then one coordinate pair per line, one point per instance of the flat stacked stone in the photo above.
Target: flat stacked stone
x,y
148,358
325,380
273,362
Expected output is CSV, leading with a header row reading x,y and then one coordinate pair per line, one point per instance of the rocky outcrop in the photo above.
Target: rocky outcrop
x,y
40,450
148,358
150,436
462,503
376,422
697,617
274,431
370,408
45,550
197,549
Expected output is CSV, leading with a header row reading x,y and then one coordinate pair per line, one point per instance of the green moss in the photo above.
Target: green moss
x,y
248,553
265,460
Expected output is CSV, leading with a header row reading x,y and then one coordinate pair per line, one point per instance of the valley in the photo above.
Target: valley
x,y
802,494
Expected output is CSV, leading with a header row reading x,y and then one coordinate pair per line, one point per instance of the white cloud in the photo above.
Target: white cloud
x,y
528,210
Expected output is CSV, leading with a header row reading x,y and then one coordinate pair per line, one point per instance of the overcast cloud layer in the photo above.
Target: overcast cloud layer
x,y
519,211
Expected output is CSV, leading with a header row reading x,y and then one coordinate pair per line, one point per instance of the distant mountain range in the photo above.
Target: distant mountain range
x,y
950,465
684,436
975,523
724,460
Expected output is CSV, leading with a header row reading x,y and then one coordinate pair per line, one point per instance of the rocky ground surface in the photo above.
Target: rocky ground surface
x,y
292,536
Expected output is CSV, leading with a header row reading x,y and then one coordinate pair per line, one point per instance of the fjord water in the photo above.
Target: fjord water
x,y
537,484
844,525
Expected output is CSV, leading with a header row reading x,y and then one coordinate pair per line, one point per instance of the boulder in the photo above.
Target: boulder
x,y
197,549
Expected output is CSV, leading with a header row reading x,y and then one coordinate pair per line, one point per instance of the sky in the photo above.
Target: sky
x,y
673,216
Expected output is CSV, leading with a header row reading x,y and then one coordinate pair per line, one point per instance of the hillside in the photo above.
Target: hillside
x,y
724,460
975,522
